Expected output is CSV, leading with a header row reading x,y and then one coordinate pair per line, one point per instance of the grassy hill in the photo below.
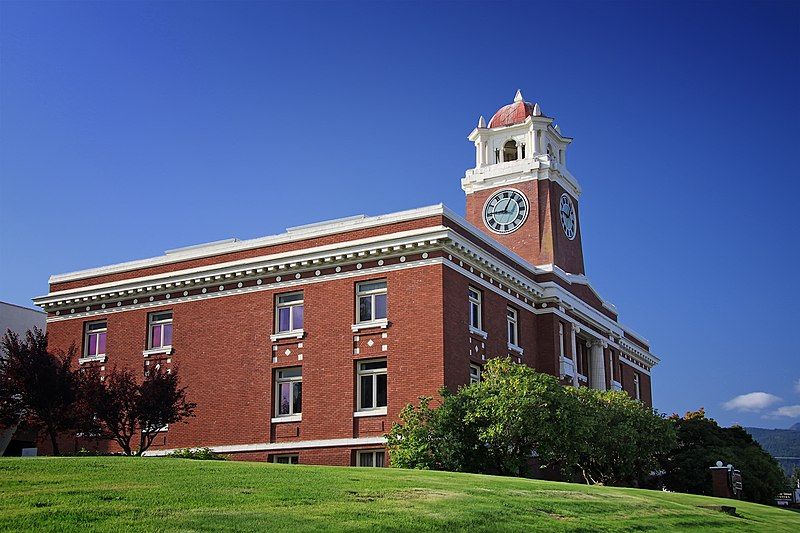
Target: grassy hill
x,y
157,494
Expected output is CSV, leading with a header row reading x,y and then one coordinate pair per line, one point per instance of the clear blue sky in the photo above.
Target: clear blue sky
x,y
129,128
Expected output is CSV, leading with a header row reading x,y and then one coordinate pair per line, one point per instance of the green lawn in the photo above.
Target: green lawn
x,y
157,494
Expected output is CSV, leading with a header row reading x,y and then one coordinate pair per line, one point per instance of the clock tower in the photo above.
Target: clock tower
x,y
520,192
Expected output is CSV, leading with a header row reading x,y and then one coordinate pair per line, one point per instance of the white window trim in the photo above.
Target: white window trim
x,y
372,294
515,320
479,302
295,334
478,332
379,323
374,372
155,351
359,453
581,377
291,417
86,335
100,358
289,455
515,348
378,411
480,373
616,385
287,418
298,332
150,323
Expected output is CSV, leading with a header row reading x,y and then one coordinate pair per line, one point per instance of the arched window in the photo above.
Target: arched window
x,y
550,150
510,151
522,150
497,155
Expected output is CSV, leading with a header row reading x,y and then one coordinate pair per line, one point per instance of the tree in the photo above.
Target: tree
x,y
38,386
516,413
494,426
520,413
621,440
437,439
122,408
702,442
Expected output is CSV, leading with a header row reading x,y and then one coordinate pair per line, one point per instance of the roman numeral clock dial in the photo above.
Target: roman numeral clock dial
x,y
505,211
567,213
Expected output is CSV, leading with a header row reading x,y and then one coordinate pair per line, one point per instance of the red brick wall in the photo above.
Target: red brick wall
x,y
224,355
539,240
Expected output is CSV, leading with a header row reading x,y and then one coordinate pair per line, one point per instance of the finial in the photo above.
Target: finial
x,y
481,122
537,111
518,97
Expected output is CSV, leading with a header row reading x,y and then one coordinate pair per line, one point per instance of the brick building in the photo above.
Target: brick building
x,y
304,346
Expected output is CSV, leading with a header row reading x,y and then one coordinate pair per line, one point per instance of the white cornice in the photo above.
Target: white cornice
x,y
305,232
305,259
511,172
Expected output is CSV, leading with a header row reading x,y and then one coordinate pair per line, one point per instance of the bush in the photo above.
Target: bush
x,y
514,413
201,454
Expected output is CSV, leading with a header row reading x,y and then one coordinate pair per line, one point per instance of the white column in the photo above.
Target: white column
x,y
574,341
479,154
598,376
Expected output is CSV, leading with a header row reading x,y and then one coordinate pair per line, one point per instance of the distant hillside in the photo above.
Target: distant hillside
x,y
795,426
783,444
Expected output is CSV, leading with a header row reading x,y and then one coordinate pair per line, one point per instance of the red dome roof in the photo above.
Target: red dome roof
x,y
511,114
514,113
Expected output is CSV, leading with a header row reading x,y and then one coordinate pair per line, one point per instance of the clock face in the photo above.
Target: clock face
x,y
505,211
569,222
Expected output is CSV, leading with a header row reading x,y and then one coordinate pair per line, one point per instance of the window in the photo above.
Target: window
x,y
637,386
371,458
513,326
474,374
160,335
582,359
475,308
289,312
561,339
510,151
522,150
288,391
94,339
497,155
372,385
371,300
289,459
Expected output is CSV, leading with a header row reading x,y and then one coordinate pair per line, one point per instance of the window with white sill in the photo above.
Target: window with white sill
x,y
371,458
474,374
159,330
286,459
289,312
371,384
288,392
475,312
513,326
94,339
370,301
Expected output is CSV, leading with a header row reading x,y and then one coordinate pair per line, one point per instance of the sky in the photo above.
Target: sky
x,y
127,129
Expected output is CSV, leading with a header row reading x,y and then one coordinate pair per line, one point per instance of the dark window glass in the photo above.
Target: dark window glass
x,y
366,392
381,389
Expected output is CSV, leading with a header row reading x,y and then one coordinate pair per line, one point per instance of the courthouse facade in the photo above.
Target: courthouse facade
x,y
304,346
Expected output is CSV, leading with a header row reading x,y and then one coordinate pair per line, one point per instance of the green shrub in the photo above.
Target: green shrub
x,y
201,454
